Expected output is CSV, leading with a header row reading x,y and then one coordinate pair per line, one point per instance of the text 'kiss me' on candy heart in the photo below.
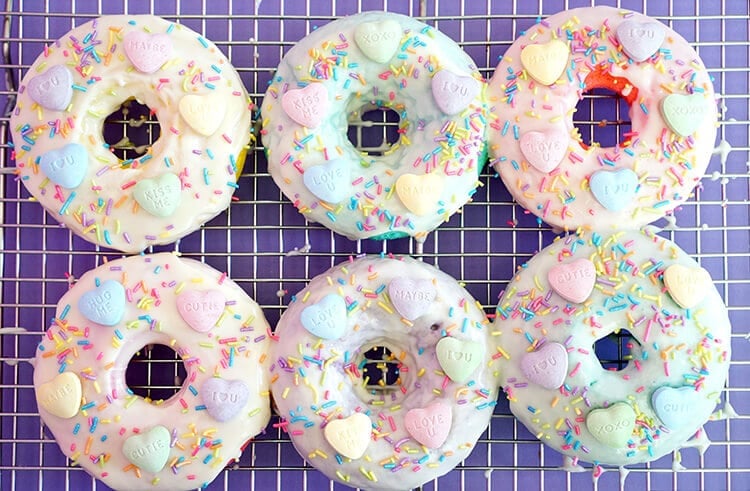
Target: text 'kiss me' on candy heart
x,y
330,181
306,106
640,40
452,92
325,318
411,298
574,280
52,89
378,40
147,52
159,196
224,399
66,166
105,304
614,190
201,310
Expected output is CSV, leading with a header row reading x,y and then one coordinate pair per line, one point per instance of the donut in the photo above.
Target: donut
x,y
539,154
135,443
420,410
578,291
385,61
185,178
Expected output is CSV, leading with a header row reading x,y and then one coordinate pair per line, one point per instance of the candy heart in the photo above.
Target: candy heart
x,y
326,318
684,113
614,190
204,113
545,62
159,196
378,40
411,298
687,286
420,193
546,366
640,40
201,310
674,406
431,425
61,396
452,92
105,304
66,166
330,181
349,436
573,281
306,106
224,399
52,89
149,451
544,149
613,426
147,52
459,358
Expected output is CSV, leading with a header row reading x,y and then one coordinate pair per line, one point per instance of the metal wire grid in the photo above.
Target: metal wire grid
x,y
262,242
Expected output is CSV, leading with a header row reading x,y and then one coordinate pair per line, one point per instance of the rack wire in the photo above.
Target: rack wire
x,y
266,246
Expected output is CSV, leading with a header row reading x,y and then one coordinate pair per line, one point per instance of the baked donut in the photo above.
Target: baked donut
x,y
538,152
188,175
111,313
376,60
416,414
581,289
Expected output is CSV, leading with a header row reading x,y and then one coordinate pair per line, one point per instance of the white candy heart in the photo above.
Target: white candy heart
x,y
349,436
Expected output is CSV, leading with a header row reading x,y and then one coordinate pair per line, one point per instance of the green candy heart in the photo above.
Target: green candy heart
x,y
159,196
613,425
149,451
459,358
684,113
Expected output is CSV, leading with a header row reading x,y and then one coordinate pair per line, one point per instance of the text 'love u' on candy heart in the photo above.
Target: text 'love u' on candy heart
x,y
684,114
420,193
224,399
306,106
330,181
546,366
350,436
204,113
325,318
378,40
411,298
159,196
149,451
452,92
66,166
52,89
105,304
613,425
614,190
545,62
687,286
201,310
674,406
544,150
459,358
431,425
574,280
61,396
147,52
640,40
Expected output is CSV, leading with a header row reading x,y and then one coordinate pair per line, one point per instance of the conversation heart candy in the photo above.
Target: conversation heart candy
x,y
52,89
452,92
378,40
613,425
204,113
349,436
201,310
614,190
544,150
61,396
326,318
684,113
224,399
147,52
545,62
674,406
411,298
66,166
159,196
459,358
306,106
687,286
431,425
420,193
574,280
640,40
105,304
149,451
330,181
546,366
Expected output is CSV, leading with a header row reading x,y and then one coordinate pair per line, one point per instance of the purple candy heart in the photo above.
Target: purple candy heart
x,y
452,92
411,298
640,40
224,399
52,89
546,366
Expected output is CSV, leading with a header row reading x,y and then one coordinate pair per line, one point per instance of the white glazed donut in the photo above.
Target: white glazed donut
x,y
538,152
127,441
581,289
350,66
439,341
189,174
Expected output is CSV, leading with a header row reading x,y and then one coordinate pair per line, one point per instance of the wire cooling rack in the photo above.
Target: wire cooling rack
x,y
265,245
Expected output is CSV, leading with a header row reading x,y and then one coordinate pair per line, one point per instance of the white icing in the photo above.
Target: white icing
x,y
723,150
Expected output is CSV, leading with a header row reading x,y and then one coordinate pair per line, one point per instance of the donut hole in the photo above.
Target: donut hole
x,y
602,118
131,130
156,373
373,131
616,350
380,370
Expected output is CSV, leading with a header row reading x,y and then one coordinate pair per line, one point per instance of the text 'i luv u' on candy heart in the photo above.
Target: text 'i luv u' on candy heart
x,y
687,286
452,92
204,113
325,318
201,310
330,181
61,396
430,426
378,40
66,166
105,304
573,281
420,193
149,451
224,399
612,426
349,436
306,106
545,62
546,366
147,52
411,298
640,40
52,89
684,113
459,358
614,190
544,150
674,406
159,196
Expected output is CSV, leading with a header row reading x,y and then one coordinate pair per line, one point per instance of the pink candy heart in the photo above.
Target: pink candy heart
x,y
201,310
431,425
452,92
306,106
147,52
573,281
411,298
544,149
546,366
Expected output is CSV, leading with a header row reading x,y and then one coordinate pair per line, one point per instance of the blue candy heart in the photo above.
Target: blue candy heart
x,y
66,166
614,189
327,318
674,406
52,89
104,304
329,182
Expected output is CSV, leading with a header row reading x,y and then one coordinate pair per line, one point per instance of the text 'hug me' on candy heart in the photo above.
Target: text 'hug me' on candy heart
x,y
105,304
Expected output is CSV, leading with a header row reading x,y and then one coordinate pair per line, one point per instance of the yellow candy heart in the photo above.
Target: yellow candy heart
x,y
419,194
687,286
204,113
349,436
545,62
61,396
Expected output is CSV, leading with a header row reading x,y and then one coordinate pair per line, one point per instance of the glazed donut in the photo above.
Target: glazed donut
x,y
353,425
188,175
581,289
111,313
538,152
376,60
